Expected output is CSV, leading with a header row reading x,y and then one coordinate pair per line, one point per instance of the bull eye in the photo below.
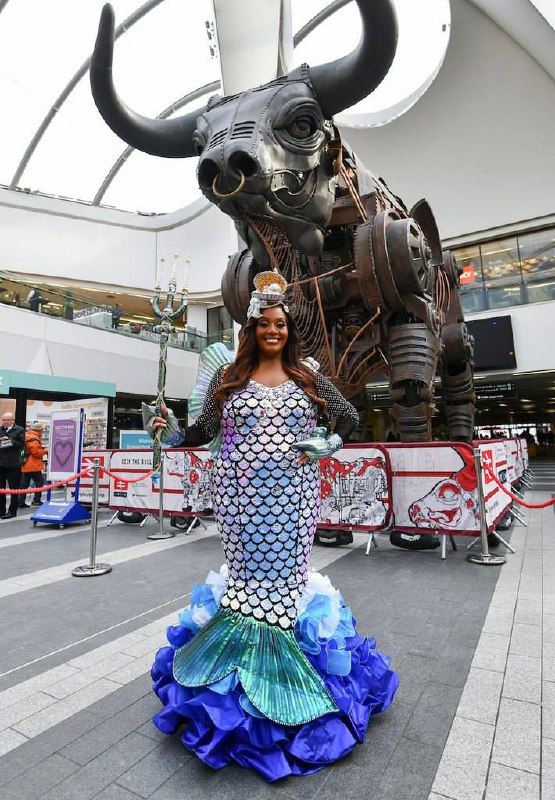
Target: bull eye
x,y
302,127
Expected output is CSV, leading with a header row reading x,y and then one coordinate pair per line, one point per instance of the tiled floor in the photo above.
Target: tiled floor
x,y
474,647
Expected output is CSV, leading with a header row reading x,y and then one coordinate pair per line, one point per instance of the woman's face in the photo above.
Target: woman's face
x,y
271,332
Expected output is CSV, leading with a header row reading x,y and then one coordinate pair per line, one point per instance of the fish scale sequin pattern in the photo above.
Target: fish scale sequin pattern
x,y
266,506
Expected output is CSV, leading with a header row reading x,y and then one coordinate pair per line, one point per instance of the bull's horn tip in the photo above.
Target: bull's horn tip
x,y
108,14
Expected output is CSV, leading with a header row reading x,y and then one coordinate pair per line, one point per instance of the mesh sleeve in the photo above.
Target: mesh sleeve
x,y
339,409
207,425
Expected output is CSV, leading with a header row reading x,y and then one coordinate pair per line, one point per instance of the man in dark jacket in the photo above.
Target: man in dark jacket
x,y
12,442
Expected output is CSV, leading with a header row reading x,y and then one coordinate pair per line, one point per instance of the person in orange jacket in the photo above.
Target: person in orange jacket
x,y
31,470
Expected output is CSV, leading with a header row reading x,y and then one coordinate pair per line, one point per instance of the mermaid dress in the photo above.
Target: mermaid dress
x,y
266,668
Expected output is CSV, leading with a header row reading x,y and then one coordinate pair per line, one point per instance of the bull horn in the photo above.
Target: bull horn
x,y
342,83
171,138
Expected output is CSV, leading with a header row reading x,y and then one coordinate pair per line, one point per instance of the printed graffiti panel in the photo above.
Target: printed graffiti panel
x,y
193,470
355,489
434,488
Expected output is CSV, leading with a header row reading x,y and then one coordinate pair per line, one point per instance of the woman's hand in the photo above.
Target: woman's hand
x,y
160,422
301,460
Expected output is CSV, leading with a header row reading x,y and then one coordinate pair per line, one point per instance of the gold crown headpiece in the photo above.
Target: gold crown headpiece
x,y
269,291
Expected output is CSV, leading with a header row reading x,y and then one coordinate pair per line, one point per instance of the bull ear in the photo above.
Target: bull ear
x,y
342,83
171,138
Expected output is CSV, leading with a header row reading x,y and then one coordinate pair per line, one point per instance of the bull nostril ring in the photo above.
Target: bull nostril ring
x,y
228,194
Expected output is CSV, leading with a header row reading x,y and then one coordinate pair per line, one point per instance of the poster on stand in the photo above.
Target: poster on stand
x,y
65,440
355,488
96,418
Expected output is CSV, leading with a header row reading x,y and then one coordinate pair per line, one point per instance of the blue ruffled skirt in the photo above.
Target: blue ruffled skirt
x,y
222,725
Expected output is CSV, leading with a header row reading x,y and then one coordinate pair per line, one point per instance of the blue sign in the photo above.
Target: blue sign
x,y
135,440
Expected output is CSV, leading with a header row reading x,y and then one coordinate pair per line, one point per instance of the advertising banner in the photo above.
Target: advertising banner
x,y
493,453
86,484
63,453
186,482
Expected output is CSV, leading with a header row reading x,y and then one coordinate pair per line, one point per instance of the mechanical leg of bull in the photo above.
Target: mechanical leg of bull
x,y
455,364
413,351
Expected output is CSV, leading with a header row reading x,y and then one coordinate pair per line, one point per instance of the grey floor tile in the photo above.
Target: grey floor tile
x,y
505,783
517,735
526,640
9,740
95,742
433,714
99,773
480,697
196,781
150,730
382,736
155,768
36,781
122,698
548,722
35,750
529,612
464,764
523,678
491,652
348,781
453,665
115,792
548,769
411,771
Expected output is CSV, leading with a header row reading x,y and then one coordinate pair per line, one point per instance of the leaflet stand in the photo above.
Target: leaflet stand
x,y
64,460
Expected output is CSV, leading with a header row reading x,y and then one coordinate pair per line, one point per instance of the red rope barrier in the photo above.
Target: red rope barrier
x,y
518,500
119,478
38,490
81,474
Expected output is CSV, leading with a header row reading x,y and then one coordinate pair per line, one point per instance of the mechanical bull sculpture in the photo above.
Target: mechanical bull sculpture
x,y
370,286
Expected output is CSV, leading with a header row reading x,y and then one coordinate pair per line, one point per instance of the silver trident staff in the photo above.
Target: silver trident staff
x,y
167,315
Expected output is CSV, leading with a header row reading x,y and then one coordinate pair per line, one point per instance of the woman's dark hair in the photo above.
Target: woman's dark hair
x,y
238,373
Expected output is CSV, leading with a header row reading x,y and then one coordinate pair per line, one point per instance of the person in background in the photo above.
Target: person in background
x,y
12,442
116,316
31,469
36,302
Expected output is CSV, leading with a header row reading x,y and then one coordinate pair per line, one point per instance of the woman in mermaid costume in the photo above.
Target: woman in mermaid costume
x,y
265,667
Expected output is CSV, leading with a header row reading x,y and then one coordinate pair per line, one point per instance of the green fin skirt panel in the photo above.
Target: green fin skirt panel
x,y
276,676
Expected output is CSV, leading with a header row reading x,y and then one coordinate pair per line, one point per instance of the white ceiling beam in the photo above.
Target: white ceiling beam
x,y
251,35
523,22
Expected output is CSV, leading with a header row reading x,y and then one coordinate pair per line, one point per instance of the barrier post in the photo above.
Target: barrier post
x,y
161,534
92,568
485,557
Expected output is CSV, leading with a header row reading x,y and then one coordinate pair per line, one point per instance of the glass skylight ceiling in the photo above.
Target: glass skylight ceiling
x,y
158,60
